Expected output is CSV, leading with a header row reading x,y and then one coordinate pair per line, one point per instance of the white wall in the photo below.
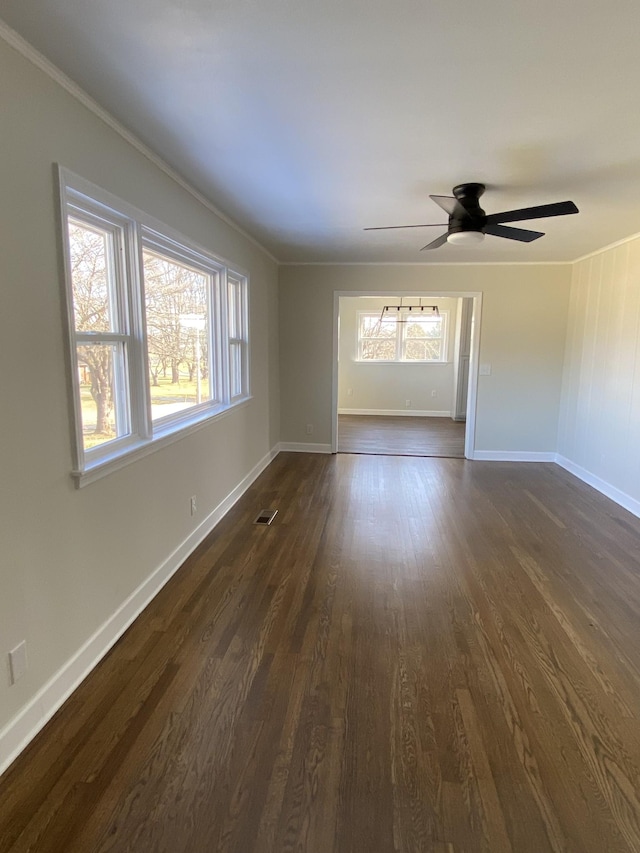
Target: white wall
x,y
599,431
524,318
69,557
387,387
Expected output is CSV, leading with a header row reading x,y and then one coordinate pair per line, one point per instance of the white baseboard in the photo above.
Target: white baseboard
x,y
513,456
15,736
406,413
304,447
620,497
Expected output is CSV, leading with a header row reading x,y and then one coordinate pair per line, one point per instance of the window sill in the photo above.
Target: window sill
x,y
166,435
400,363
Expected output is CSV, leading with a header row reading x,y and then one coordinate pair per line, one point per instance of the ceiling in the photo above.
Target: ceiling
x,y
307,121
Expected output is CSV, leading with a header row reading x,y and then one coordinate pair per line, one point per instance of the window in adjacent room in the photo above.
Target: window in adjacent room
x,y
406,338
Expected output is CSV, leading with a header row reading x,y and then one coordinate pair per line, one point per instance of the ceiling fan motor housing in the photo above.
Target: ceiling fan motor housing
x,y
473,190
468,223
474,219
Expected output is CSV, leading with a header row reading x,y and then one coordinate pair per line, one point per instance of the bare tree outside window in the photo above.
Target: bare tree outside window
x,y
377,338
177,317
94,306
422,339
401,338
158,330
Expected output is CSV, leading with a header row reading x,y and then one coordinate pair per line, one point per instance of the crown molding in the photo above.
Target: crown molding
x,y
425,264
12,38
607,248
16,41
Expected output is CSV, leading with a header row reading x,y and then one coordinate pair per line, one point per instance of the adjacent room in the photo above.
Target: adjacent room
x,y
403,375
278,572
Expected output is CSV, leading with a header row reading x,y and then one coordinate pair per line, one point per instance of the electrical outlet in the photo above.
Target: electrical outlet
x,y
407,404
434,393
309,429
18,661
193,505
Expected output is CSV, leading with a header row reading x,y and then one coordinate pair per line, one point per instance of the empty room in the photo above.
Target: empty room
x,y
320,471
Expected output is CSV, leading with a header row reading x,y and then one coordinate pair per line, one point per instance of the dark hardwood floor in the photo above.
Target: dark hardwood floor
x,y
418,655
393,435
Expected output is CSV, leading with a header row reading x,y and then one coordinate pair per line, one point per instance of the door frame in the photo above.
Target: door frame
x,y
476,322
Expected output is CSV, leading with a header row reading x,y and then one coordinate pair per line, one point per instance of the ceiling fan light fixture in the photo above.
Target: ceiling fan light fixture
x,y
465,238
468,223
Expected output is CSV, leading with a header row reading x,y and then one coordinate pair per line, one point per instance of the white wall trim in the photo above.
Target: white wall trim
x,y
474,355
304,447
425,263
36,58
405,413
513,456
29,52
621,498
607,248
15,736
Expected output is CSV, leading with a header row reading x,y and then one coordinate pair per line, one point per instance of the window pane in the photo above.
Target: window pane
x,y
177,314
423,350
373,327
235,369
237,336
422,339
420,327
91,252
415,350
234,307
373,350
388,328
102,383
368,326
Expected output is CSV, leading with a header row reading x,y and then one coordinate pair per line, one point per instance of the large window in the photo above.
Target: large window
x,y
402,337
158,329
238,338
178,314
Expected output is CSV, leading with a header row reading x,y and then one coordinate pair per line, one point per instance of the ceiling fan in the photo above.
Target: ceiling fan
x,y
468,223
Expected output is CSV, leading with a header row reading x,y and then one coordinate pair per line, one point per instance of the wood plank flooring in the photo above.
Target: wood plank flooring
x,y
418,655
393,435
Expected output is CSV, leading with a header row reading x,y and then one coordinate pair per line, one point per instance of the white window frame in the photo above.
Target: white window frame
x,y
240,341
214,271
133,232
400,341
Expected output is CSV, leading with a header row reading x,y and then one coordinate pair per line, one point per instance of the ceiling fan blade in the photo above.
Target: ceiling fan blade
x,y
561,208
449,204
521,234
389,227
439,241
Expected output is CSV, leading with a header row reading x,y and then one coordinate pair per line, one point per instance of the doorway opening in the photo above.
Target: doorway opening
x,y
405,373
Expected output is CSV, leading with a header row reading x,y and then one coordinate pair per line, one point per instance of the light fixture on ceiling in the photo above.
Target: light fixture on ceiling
x,y
465,238
468,223
401,313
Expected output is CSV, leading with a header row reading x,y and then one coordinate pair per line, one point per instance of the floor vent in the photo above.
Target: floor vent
x,y
266,516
